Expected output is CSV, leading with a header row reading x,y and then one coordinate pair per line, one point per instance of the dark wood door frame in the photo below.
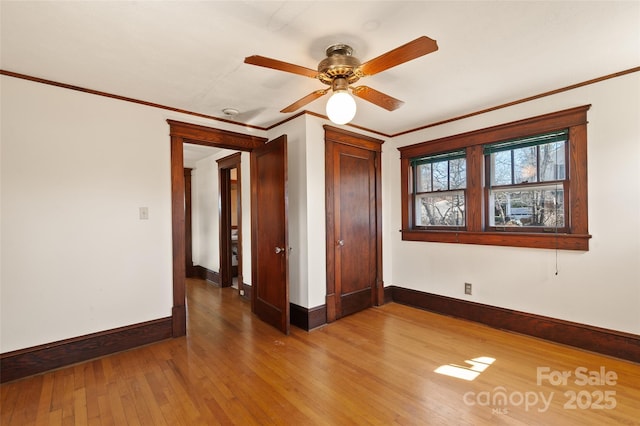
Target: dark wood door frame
x,y
181,133
188,236
225,165
334,135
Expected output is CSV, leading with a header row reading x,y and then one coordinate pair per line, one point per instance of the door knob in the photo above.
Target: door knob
x,y
340,243
279,250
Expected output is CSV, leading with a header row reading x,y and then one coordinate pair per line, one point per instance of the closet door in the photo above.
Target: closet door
x,y
353,236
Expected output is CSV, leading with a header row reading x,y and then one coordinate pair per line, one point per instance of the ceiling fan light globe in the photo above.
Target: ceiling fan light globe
x,y
341,107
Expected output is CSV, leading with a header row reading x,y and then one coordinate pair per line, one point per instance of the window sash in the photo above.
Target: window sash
x,y
547,202
534,185
511,144
441,209
508,167
455,155
449,179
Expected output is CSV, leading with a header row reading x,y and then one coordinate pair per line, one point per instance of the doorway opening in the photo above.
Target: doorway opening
x,y
182,133
230,189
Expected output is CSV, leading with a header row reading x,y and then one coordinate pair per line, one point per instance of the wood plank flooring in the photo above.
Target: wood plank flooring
x,y
374,367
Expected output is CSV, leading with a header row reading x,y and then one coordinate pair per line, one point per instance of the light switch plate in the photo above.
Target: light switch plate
x,y
144,213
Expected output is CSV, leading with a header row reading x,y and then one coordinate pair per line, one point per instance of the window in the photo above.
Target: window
x,y
518,184
439,190
525,183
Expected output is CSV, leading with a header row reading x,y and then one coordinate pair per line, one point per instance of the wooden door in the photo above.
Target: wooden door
x,y
270,246
353,224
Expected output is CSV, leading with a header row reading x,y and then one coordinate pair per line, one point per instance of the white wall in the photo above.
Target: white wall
x,y
297,212
205,223
600,287
316,208
206,216
75,257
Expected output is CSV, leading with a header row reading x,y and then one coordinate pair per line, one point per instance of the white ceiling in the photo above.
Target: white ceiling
x,y
194,153
189,55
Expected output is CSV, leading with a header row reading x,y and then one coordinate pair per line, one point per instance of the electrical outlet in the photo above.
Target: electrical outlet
x,y
467,288
241,292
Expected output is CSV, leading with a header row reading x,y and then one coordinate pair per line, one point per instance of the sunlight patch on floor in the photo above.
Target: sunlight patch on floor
x,y
474,368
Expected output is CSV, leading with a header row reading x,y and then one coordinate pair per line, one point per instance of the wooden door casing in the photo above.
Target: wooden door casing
x,y
353,203
225,165
181,133
188,233
269,239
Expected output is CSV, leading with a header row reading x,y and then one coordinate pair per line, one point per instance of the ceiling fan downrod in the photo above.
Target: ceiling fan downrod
x,y
340,83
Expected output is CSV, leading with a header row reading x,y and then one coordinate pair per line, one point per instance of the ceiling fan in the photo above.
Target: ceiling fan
x,y
340,70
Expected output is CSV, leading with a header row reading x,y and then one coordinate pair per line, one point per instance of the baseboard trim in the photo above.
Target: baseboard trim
x,y
38,359
26,362
307,318
213,277
604,341
388,294
247,290
206,274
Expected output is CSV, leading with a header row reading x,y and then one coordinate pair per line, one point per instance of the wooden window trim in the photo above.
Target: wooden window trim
x,y
574,119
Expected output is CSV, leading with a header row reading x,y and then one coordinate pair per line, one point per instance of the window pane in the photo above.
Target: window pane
x,y
552,164
440,209
458,174
423,178
525,165
540,206
440,176
501,168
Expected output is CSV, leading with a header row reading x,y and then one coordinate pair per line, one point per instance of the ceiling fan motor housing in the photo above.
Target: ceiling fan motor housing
x,y
339,63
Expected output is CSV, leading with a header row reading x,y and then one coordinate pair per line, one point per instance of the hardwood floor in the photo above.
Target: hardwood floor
x,y
373,367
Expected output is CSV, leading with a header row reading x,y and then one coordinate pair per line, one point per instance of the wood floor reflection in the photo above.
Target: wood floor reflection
x,y
374,367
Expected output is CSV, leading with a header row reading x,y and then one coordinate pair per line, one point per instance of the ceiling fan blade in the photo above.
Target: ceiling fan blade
x,y
275,64
412,50
382,100
307,99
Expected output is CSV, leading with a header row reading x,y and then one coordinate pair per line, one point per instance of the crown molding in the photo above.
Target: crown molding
x,y
305,112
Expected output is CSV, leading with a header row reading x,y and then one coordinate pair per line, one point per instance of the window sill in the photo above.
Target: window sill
x,y
514,239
